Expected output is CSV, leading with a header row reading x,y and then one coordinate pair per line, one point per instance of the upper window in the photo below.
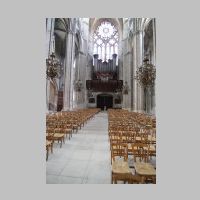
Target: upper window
x,y
105,40
106,30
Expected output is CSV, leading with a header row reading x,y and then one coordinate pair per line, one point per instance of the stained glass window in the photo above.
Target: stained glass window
x,y
105,40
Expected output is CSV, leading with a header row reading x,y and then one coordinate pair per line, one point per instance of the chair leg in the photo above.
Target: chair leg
x,y
52,148
154,180
142,179
47,155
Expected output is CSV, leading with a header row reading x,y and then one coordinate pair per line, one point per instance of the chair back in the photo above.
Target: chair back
x,y
119,150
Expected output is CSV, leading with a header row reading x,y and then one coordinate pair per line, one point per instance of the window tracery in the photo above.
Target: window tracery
x,y
105,40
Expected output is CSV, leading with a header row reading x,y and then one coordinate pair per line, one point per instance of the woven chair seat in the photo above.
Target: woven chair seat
x,y
120,166
59,135
151,148
137,138
68,129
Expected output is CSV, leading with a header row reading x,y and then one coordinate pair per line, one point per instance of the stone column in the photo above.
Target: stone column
x,y
148,100
131,82
120,67
134,74
49,39
153,103
75,77
81,77
68,67
138,60
72,73
49,35
153,59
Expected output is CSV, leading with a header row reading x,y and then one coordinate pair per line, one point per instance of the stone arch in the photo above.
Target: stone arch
x,y
60,34
104,100
148,39
78,42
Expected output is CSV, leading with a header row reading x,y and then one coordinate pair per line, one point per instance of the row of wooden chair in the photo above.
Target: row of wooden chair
x,y
126,117
131,135
61,125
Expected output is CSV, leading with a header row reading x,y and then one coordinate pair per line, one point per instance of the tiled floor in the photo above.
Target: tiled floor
x,y
83,159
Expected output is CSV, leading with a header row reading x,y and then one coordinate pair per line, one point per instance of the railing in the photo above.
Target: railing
x,y
104,86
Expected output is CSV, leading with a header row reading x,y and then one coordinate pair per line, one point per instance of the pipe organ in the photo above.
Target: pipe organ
x,y
104,76
104,68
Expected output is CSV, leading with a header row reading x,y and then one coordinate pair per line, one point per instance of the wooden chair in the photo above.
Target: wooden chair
x,y
69,129
141,151
152,150
49,145
134,179
59,136
50,134
49,140
65,129
120,168
150,179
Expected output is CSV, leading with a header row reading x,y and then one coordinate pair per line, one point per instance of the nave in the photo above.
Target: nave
x,y
100,100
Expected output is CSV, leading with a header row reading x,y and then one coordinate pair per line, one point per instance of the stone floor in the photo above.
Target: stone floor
x,y
85,158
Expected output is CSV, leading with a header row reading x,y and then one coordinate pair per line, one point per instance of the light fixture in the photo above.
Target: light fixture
x,y
125,88
78,85
53,67
90,94
146,74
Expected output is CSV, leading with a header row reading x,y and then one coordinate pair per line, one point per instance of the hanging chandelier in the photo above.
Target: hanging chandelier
x,y
146,74
53,67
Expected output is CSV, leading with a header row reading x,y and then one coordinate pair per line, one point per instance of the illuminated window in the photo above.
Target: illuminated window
x,y
105,40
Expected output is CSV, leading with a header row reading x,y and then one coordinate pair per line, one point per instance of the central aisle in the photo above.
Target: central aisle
x,y
85,158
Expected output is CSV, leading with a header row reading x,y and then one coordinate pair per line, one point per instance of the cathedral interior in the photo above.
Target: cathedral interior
x,y
100,100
